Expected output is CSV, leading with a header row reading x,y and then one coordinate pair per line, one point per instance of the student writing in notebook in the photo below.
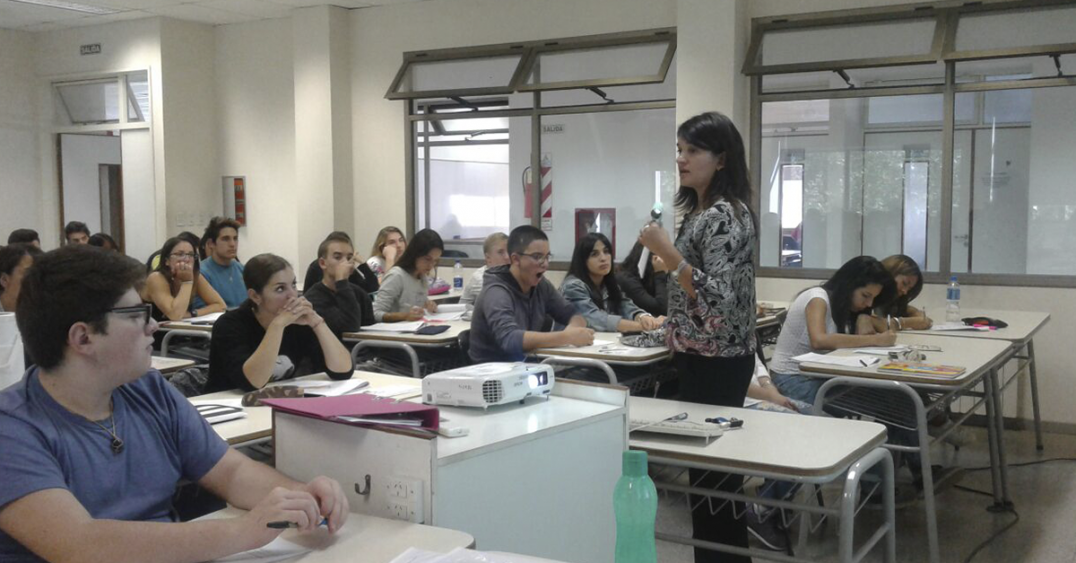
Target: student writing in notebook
x,y
823,318
404,293
94,440
274,335
898,313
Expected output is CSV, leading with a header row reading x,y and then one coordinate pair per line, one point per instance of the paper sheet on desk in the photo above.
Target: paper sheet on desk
x,y
393,327
853,361
443,316
881,350
958,326
276,550
325,388
210,318
459,555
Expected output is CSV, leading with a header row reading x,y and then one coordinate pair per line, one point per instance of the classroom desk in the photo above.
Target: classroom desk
x,y
869,392
1023,325
408,342
607,356
368,539
172,329
258,424
168,366
772,316
785,447
451,296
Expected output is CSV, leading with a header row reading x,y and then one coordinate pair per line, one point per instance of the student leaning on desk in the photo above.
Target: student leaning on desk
x,y
94,441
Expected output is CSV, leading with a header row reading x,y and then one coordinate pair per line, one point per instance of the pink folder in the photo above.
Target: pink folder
x,y
359,405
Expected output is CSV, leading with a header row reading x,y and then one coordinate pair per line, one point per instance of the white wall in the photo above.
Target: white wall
x,y
80,157
256,132
19,157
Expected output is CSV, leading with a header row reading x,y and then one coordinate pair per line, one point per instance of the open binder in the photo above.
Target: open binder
x,y
361,409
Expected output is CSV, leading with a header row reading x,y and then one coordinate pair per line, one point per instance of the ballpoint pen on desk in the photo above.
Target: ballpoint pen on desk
x,y
726,423
284,524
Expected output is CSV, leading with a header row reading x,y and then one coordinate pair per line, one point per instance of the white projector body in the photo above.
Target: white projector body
x,y
485,385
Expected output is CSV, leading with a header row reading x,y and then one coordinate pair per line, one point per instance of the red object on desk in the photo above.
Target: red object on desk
x,y
359,405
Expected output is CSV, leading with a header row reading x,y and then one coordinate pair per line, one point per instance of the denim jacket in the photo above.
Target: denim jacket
x,y
579,295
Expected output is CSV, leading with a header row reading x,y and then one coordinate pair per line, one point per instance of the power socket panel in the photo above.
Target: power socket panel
x,y
405,496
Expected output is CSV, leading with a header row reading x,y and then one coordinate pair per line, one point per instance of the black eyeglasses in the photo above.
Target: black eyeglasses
x,y
145,309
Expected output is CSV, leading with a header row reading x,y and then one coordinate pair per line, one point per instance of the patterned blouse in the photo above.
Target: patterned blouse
x,y
719,244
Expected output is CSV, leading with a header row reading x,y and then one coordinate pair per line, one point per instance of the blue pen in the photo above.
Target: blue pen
x,y
284,524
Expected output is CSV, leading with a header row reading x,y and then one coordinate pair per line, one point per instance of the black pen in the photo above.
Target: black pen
x,y
284,524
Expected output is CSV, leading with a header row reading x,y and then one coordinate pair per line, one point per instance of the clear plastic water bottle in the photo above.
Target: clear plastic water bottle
x,y
952,301
457,276
635,504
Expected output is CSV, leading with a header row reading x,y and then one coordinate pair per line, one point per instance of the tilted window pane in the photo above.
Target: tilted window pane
x,y
634,93
90,102
459,74
138,96
1016,28
878,77
1018,68
1014,191
603,63
838,43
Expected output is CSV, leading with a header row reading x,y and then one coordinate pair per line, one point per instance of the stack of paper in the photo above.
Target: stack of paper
x,y
460,555
881,350
204,319
853,361
325,388
394,327
958,326
276,550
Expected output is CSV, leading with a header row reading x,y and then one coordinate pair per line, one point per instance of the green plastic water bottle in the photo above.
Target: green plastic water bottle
x,y
635,503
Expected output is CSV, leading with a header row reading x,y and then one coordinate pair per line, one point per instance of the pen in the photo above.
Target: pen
x,y
887,319
284,524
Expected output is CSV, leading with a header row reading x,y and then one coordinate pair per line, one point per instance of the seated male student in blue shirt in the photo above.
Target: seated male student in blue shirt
x,y
93,440
510,311
221,268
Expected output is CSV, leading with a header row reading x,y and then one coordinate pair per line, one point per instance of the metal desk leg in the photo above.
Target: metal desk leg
x,y
990,390
999,424
1033,379
846,547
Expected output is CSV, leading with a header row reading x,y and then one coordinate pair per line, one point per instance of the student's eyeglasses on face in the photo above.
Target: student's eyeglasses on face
x,y
540,258
182,255
145,310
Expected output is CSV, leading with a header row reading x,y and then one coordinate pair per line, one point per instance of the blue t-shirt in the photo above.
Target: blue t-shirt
x,y
45,446
227,280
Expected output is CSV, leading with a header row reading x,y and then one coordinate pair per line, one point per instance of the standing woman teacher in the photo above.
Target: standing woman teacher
x,y
711,320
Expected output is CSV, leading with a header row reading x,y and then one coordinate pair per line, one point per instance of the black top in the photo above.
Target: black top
x,y
237,334
652,300
345,309
363,277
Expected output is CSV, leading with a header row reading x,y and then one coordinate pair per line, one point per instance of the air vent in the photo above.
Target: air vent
x,y
492,392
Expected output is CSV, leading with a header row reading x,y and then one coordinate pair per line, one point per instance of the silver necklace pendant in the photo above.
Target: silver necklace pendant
x,y
117,445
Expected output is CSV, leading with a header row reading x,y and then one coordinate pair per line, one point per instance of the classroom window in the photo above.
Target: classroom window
x,y
876,165
119,100
597,162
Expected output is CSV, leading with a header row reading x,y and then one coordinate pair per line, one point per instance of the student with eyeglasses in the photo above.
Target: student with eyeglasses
x,y
174,285
94,440
510,313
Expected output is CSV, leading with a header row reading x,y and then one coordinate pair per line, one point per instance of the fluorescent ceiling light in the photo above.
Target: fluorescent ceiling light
x,y
72,6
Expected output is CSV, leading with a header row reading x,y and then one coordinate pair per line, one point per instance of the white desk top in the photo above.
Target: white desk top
x,y
808,447
1022,325
615,353
181,325
451,295
169,365
450,336
259,420
368,539
975,355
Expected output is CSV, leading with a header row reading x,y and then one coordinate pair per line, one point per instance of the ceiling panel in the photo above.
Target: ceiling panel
x,y
202,14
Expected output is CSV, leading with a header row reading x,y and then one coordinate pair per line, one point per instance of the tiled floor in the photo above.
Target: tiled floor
x,y
1044,495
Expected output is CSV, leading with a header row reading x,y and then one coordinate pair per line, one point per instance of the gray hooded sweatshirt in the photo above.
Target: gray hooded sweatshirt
x,y
503,313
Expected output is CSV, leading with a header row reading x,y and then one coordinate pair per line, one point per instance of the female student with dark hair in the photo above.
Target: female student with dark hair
x,y
104,241
173,287
404,293
592,289
273,335
823,318
649,288
711,322
897,312
15,259
388,248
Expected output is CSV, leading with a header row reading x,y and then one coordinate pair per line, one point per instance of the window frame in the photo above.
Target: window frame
x,y
948,14
536,112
